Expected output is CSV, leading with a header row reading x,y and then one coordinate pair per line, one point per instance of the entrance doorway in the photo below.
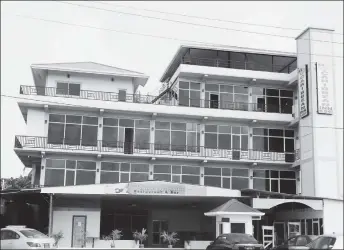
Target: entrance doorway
x,y
294,228
159,226
279,233
79,231
214,101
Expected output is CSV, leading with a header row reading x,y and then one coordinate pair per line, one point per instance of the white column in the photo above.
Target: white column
x,y
150,176
202,139
98,169
202,94
152,135
250,179
43,167
33,174
202,175
250,99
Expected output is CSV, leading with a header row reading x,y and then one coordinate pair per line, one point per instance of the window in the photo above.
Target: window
x,y
60,172
177,136
116,172
189,94
122,95
180,174
73,130
226,137
9,235
275,181
63,88
273,140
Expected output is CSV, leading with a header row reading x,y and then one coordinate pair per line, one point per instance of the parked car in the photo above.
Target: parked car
x,y
324,242
21,237
295,241
235,241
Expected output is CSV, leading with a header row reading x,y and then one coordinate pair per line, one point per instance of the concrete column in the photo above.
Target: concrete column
x,y
43,167
100,131
250,137
202,94
98,170
202,139
152,135
250,100
250,179
50,230
150,176
202,175
46,121
33,174
249,227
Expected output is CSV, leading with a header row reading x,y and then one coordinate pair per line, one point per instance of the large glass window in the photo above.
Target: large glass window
x,y
273,100
115,172
226,177
177,136
180,174
73,130
275,181
121,131
273,140
226,137
60,172
64,88
189,94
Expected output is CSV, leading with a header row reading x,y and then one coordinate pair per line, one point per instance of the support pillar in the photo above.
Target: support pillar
x,y
50,231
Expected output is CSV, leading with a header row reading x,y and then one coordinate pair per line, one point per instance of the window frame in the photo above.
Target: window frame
x,y
68,89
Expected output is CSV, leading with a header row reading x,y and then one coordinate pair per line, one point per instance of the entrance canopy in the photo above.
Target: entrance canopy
x,y
234,207
151,188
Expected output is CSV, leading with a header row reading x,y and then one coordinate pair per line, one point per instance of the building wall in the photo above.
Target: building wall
x,y
92,82
63,221
35,122
333,217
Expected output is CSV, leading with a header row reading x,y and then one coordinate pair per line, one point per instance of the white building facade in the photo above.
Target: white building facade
x,y
237,141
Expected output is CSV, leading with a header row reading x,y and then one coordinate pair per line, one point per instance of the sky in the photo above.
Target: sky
x,y
25,41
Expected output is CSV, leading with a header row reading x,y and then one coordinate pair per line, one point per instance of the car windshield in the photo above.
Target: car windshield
x,y
32,233
242,238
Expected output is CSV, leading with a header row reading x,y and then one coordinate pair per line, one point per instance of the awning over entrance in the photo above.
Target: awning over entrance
x,y
152,188
234,207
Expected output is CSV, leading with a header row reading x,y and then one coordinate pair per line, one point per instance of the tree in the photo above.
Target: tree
x,y
17,183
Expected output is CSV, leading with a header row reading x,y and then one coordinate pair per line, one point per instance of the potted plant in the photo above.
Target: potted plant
x,y
170,238
113,236
140,237
57,237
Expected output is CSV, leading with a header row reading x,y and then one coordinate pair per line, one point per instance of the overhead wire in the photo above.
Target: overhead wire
x,y
194,24
207,18
83,106
142,34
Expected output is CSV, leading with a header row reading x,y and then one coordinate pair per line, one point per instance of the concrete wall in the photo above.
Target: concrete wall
x,y
333,217
35,122
63,220
92,82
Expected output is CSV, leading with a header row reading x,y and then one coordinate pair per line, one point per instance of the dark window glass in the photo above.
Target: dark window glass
x,y
139,168
110,122
70,164
183,85
286,105
321,226
190,179
303,227
89,135
55,163
70,178
142,138
73,119
90,120
274,174
124,177
162,140
272,92
139,177
223,129
289,133
62,88
74,89
125,167
211,128
126,123
226,172
276,144
109,177
162,125
224,141
178,138
85,177
274,185
162,169
276,132
244,142
261,184
210,140
183,97
191,170
239,183
176,169
288,174
240,172
87,165
72,134
236,142
195,99
260,143
212,87
316,228
286,93
55,133
212,181
289,145
110,137
309,227
176,178
261,173
288,186
212,171
110,166
273,105
56,118
122,95
162,177
226,183
54,177
142,124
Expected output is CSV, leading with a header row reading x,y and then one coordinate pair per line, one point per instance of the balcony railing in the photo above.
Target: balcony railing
x,y
214,62
152,149
86,94
136,98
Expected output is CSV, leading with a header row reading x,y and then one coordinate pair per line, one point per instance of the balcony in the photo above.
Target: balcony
x,y
245,65
129,148
87,94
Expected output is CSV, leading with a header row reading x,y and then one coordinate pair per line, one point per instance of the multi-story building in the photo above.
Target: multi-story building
x,y
239,140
